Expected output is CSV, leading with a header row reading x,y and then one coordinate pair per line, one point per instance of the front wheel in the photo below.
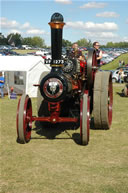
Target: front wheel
x,y
24,119
85,119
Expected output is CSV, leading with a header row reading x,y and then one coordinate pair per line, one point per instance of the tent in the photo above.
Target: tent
x,y
21,72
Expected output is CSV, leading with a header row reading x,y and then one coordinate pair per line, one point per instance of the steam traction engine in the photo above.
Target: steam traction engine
x,y
71,92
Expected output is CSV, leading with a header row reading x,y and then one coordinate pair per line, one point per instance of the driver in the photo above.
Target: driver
x,y
76,53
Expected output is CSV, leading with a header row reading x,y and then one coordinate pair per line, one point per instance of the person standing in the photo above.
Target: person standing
x,y
120,63
121,75
2,84
96,46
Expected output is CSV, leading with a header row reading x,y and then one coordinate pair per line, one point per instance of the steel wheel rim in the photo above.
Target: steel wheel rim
x,y
27,119
17,116
91,62
24,119
84,119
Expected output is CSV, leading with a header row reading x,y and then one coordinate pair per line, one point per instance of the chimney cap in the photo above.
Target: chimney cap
x,y
57,17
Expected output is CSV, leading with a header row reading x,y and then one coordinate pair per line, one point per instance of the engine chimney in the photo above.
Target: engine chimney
x,y
56,25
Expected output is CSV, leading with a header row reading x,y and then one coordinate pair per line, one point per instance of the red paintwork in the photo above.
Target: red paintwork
x,y
110,103
83,64
27,118
81,113
54,109
55,119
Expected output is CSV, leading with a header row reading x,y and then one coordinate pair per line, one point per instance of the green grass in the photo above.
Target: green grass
x,y
115,63
61,165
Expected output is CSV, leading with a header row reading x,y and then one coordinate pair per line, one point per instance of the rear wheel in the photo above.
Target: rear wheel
x,y
106,100
126,90
97,100
85,119
91,64
103,100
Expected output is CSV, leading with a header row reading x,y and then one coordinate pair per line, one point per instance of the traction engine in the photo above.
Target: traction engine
x,y
72,92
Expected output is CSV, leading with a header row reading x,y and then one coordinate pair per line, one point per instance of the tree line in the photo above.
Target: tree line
x,y
17,40
36,41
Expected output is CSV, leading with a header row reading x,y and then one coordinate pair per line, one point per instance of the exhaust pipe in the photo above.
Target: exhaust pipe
x,y
56,25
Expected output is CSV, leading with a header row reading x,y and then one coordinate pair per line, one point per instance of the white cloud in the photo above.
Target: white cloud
x,y
63,1
6,24
14,31
91,26
101,35
93,5
127,21
107,14
125,39
35,32
25,25
15,27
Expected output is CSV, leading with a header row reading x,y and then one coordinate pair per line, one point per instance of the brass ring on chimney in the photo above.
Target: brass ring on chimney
x,y
58,65
56,25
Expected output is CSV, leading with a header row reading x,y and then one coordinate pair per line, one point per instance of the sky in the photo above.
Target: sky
x,y
102,21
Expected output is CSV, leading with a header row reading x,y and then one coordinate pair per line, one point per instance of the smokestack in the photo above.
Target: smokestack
x,y
56,25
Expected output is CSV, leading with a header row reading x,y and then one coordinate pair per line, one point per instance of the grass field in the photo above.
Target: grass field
x,y
61,165
115,63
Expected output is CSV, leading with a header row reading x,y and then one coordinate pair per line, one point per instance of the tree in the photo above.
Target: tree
x,y
117,45
38,41
3,40
14,39
27,41
66,43
34,41
84,43
89,43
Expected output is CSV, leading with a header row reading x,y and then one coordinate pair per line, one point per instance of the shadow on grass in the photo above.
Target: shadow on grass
x,y
51,131
120,94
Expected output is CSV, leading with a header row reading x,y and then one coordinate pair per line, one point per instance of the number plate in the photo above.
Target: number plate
x,y
50,61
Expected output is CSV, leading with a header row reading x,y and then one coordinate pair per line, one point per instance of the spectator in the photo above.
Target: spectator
x,y
98,52
123,63
120,63
121,76
2,84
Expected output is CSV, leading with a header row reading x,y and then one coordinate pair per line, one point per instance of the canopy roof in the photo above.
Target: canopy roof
x,y
20,63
